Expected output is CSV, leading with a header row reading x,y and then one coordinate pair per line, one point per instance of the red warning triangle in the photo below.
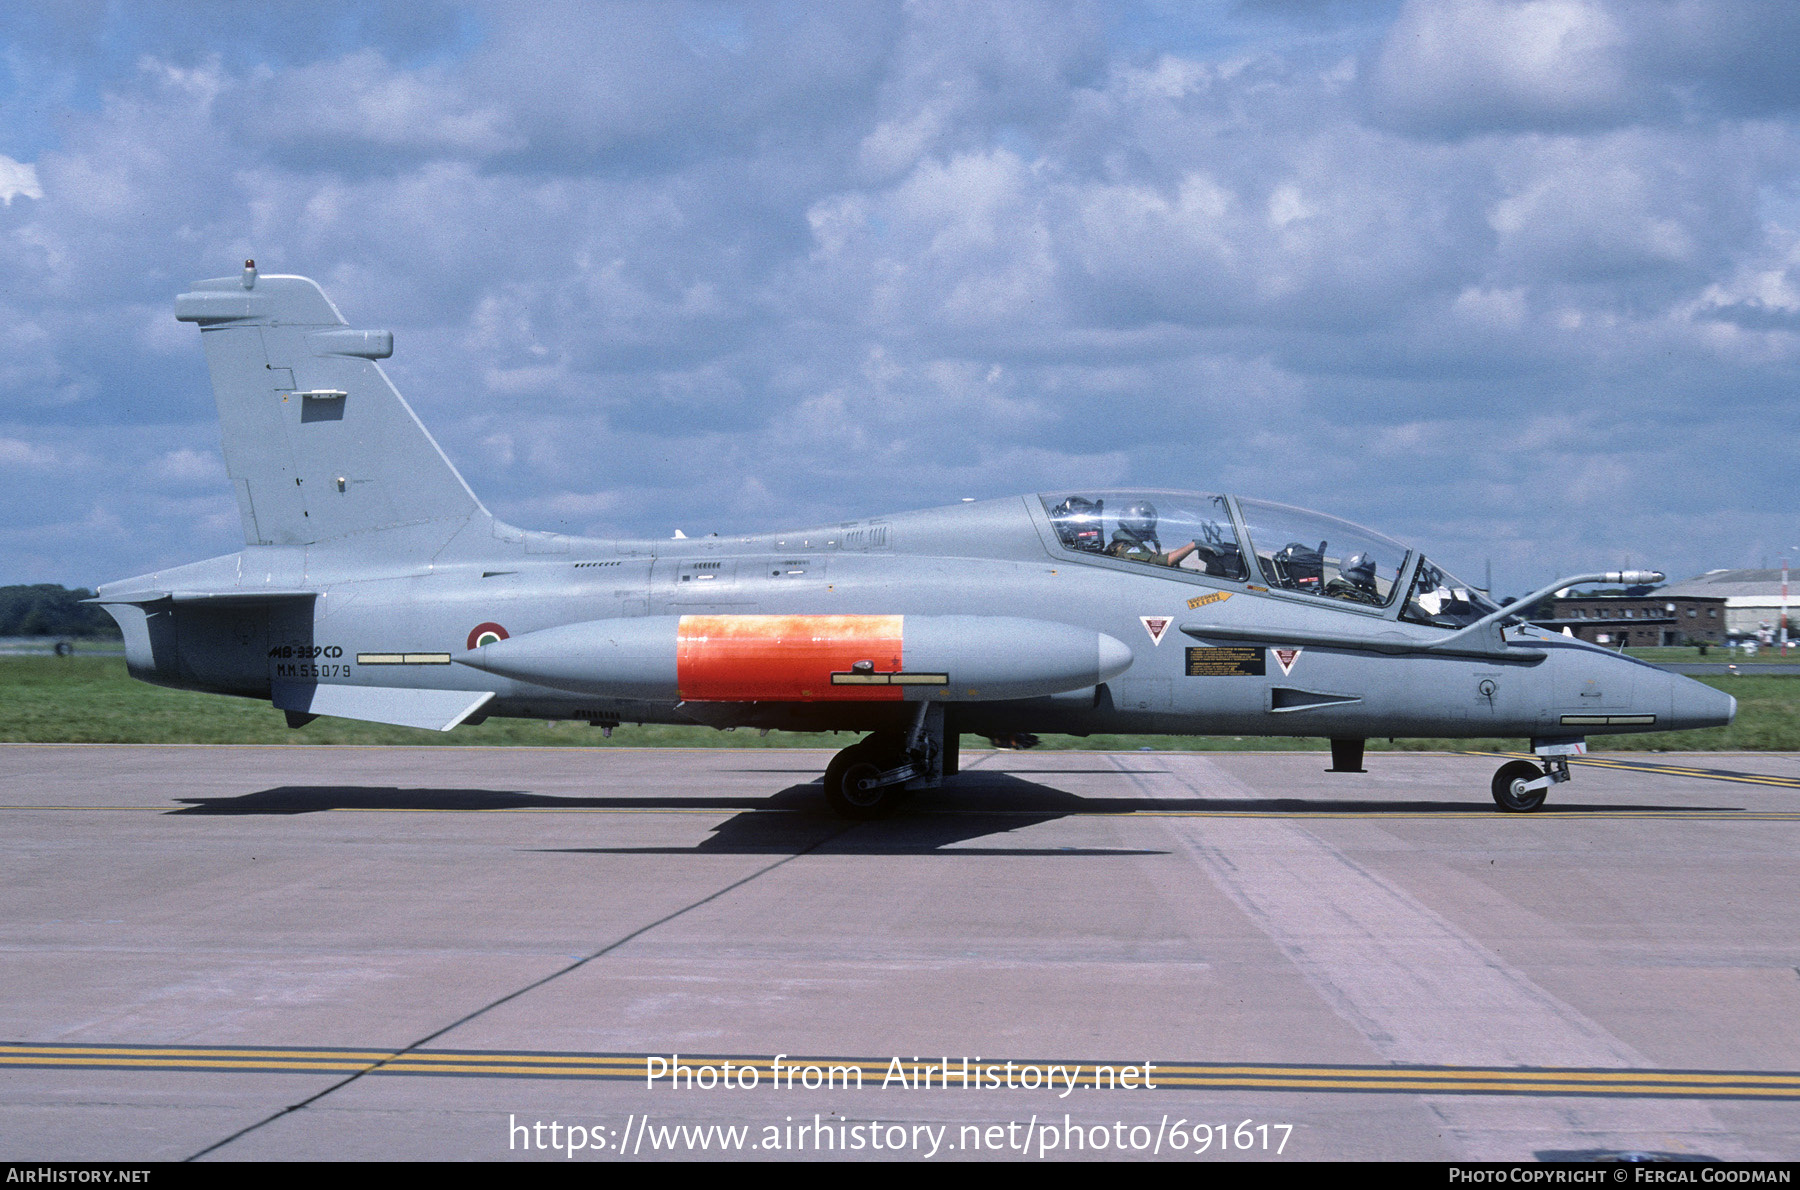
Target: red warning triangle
x,y
1156,626
1286,658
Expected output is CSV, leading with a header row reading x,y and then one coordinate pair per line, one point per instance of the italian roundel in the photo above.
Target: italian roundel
x,y
486,634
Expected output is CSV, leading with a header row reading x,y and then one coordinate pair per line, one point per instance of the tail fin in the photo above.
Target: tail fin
x,y
317,442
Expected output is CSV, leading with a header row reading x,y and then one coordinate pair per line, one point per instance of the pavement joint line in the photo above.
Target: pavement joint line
x,y
1621,1082
404,1052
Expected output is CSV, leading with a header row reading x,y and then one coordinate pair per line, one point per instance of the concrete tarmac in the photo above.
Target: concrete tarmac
x,y
259,953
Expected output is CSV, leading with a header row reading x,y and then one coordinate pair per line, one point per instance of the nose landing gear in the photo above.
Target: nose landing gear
x,y
1521,786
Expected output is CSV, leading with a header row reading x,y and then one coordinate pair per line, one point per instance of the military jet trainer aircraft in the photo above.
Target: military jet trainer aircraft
x,y
374,585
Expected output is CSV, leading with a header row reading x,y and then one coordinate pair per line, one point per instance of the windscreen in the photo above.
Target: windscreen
x,y
1442,600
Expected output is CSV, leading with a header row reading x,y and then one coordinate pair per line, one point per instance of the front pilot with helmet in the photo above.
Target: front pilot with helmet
x,y
1135,538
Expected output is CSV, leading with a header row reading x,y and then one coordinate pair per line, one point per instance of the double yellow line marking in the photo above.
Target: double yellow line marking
x,y
1473,811
1705,774
1415,1080
1672,770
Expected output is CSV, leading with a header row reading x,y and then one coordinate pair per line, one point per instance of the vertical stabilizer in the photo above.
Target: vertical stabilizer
x,y
318,443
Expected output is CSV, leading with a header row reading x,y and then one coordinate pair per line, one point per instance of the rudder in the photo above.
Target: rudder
x,y
318,442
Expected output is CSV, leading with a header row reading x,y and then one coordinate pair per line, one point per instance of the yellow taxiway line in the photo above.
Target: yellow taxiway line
x,y
1474,811
1668,770
872,1072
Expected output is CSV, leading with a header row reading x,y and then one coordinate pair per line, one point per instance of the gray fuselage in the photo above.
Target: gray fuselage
x,y
244,623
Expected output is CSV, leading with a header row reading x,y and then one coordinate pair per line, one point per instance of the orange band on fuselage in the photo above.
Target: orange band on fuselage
x,y
784,658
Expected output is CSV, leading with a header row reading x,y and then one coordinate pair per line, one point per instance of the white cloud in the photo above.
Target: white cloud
x,y
29,456
361,99
646,270
187,467
1597,208
1466,65
18,179
1502,308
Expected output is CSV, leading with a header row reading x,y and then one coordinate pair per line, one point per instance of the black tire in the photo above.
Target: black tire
x,y
1510,793
883,745
859,762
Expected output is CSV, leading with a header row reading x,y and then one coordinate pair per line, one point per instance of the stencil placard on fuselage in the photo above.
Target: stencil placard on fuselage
x,y
1227,661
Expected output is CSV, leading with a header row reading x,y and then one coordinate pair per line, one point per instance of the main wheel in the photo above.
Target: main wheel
x,y
1509,787
854,764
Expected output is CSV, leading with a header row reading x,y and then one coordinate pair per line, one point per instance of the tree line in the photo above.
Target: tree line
x,y
49,610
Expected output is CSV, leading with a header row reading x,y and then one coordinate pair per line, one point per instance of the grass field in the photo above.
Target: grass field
x,y
93,700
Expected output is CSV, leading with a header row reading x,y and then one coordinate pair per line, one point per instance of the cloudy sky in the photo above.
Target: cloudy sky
x,y
1517,282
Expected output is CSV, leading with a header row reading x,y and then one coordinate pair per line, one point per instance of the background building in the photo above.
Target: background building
x,y
1611,618
1752,598
1713,607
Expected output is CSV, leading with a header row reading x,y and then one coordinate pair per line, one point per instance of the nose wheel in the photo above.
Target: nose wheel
x,y
1520,786
1513,790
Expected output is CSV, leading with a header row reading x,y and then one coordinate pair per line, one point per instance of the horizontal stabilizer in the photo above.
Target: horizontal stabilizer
x,y
210,598
435,710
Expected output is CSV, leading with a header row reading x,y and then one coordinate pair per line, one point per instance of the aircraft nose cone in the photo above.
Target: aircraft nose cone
x,y
1115,657
1695,704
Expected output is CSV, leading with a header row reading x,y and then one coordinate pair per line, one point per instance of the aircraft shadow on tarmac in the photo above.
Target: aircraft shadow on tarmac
x,y
924,824
980,804
792,821
317,799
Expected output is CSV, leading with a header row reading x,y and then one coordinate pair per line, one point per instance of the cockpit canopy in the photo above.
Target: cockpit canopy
x,y
1259,542
1198,528
1316,554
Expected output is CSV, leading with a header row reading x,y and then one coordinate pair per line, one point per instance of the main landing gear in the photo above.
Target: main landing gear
x,y
1521,786
868,779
